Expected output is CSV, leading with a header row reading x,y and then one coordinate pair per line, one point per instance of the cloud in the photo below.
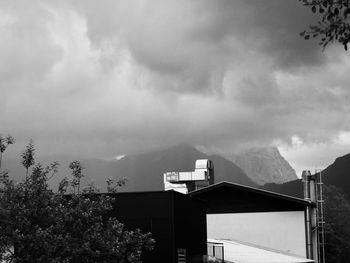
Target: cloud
x,y
105,78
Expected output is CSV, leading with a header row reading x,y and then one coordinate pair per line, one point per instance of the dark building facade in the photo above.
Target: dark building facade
x,y
225,197
177,223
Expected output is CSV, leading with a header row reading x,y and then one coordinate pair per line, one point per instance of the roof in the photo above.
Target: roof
x,y
251,189
145,193
238,252
225,197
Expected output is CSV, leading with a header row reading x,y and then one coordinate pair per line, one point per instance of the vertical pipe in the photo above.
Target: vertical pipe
x,y
313,215
211,172
308,233
306,177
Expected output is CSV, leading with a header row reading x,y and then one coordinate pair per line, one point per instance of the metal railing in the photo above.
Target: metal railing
x,y
216,250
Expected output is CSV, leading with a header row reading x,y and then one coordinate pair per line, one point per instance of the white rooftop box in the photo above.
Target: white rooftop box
x,y
203,164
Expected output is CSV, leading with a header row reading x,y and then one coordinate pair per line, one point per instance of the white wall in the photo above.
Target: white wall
x,y
284,231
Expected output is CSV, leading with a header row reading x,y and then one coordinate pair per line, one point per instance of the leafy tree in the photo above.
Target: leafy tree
x,y
91,188
114,184
4,143
51,227
28,157
77,174
333,24
337,227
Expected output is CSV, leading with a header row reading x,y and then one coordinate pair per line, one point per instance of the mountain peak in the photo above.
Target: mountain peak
x,y
338,173
144,172
265,165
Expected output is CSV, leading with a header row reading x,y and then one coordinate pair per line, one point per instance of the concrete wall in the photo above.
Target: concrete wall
x,y
283,231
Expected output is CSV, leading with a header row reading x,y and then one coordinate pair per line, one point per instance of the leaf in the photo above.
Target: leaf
x,y
313,9
307,37
346,12
336,11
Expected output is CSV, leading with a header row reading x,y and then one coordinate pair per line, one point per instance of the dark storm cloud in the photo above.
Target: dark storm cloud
x,y
108,77
189,45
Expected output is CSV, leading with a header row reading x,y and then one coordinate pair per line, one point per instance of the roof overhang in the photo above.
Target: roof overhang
x,y
231,197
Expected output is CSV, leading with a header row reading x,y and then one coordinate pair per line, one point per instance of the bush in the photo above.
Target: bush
x,y
39,225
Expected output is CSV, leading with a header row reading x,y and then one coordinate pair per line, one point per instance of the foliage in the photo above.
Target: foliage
x,y
333,24
77,174
114,184
4,143
39,225
337,227
28,156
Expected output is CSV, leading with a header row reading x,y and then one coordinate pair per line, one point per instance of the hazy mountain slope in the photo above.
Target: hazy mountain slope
x,y
14,167
17,172
144,172
337,174
292,188
265,165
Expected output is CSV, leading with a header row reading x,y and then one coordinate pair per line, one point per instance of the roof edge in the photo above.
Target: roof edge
x,y
252,189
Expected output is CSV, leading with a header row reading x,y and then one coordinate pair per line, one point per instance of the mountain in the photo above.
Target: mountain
x,y
13,166
337,174
292,188
144,172
265,165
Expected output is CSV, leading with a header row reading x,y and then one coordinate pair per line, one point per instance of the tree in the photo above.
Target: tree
x,y
337,228
77,174
28,157
54,227
333,24
4,143
114,184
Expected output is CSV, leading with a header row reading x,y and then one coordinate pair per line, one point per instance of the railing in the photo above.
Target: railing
x,y
216,250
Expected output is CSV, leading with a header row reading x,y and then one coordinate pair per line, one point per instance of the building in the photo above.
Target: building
x,y
196,219
177,223
249,219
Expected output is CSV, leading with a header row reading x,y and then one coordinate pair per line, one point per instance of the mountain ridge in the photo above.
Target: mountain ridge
x,y
152,165
144,171
336,174
264,165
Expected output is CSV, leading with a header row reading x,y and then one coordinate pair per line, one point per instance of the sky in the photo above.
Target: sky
x,y
105,78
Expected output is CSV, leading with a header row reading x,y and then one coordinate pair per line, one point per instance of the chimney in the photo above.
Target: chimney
x,y
310,214
309,186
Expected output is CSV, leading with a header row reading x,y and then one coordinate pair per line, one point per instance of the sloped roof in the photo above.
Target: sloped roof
x,y
234,197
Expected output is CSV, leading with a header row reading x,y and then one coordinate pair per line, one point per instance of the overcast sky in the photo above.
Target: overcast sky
x,y
104,78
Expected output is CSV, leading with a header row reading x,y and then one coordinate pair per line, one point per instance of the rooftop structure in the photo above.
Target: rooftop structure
x,y
185,182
